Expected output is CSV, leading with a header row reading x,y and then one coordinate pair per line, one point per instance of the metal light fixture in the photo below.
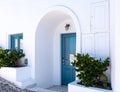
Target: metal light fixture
x,y
67,27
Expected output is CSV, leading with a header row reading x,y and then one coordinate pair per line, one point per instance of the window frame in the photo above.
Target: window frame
x,y
15,38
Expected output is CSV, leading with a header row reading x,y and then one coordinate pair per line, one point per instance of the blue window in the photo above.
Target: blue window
x,y
16,41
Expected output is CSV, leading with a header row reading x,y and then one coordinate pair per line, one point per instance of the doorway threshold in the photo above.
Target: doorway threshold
x,y
59,88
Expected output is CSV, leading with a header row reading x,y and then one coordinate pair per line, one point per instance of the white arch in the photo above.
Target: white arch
x,y
44,42
72,14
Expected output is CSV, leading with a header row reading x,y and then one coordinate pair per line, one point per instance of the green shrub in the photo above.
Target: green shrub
x,y
15,55
4,57
9,57
91,70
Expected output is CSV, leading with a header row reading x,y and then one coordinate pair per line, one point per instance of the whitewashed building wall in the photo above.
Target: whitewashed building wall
x,y
91,19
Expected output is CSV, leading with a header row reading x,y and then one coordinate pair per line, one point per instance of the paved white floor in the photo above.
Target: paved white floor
x,y
6,86
51,89
59,88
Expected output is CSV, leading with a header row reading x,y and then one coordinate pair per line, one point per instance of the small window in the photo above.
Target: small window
x,y
16,41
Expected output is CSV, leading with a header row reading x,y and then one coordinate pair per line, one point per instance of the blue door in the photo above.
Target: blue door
x,y
68,42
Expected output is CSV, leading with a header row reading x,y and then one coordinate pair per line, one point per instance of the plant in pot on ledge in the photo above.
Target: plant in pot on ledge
x,y
12,58
18,58
91,71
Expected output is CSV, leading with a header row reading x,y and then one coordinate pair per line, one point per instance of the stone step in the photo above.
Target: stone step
x,y
51,89
26,83
38,89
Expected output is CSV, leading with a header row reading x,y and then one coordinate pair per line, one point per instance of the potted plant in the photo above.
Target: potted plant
x,y
11,67
90,71
18,58
12,58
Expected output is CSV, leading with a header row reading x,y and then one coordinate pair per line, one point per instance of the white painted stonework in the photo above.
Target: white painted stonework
x,y
95,22
74,87
20,76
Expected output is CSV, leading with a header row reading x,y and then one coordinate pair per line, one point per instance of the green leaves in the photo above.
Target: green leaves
x,y
9,57
90,70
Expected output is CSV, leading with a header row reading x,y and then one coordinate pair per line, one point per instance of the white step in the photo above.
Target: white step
x,y
38,89
26,83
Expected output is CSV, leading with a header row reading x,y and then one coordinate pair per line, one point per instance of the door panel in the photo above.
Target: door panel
x,y
68,47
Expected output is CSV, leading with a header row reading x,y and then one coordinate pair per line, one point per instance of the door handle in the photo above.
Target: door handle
x,y
63,61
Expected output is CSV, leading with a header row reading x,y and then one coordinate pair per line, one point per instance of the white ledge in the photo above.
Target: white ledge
x,y
74,87
21,76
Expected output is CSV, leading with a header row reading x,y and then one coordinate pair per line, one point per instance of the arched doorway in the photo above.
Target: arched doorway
x,y
48,44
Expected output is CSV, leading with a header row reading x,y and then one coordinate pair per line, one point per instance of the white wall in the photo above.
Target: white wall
x,y
48,57
26,16
96,40
95,37
115,39
43,55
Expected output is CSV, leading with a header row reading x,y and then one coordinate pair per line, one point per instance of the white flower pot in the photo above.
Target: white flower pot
x,y
22,62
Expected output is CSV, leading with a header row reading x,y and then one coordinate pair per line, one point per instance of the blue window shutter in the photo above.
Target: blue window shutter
x,y
13,39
